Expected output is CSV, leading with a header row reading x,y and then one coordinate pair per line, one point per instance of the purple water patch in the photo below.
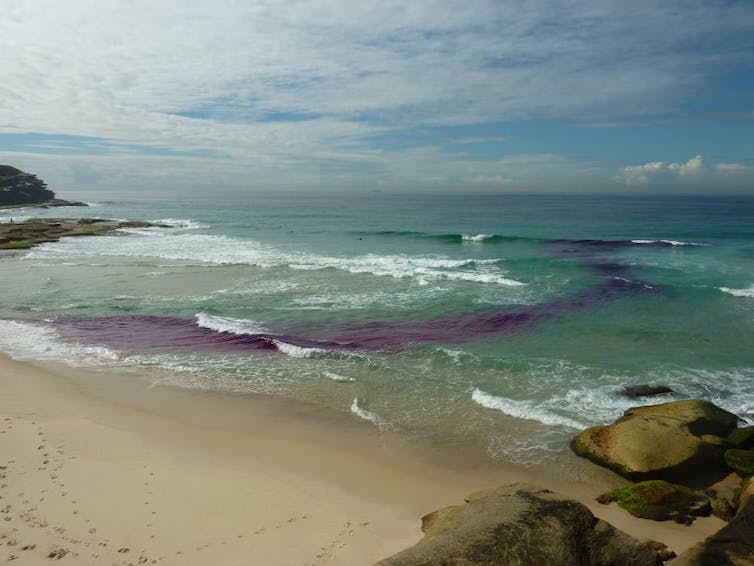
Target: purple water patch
x,y
163,333
174,334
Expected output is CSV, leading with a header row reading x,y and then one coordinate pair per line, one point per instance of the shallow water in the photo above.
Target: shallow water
x,y
501,322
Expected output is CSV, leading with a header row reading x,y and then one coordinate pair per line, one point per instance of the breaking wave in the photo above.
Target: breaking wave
x,y
225,250
232,325
528,410
747,293
362,413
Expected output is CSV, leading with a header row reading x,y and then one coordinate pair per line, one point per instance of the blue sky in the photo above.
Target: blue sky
x,y
539,95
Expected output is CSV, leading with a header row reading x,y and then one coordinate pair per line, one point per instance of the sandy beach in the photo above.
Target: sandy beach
x,y
102,468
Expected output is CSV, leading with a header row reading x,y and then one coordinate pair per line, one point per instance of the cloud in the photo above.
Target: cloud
x,y
640,174
693,166
469,140
273,88
692,171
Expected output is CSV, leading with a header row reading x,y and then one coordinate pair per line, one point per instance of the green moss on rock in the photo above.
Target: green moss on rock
x,y
660,501
742,438
29,233
740,461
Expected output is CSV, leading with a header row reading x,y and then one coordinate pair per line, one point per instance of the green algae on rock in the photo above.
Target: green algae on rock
x,y
30,233
742,438
660,501
740,461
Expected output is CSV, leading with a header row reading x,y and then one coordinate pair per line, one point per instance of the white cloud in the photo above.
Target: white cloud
x,y
298,88
693,166
692,171
640,174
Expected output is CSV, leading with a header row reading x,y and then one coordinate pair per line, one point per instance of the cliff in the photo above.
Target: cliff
x,y
18,188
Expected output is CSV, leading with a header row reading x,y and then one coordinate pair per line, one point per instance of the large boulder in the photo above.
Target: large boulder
x,y
673,441
522,525
660,501
733,545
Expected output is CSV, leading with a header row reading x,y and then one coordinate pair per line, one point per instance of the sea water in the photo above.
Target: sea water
x,y
505,323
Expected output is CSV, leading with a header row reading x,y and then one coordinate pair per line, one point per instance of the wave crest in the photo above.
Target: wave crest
x,y
527,410
746,293
231,325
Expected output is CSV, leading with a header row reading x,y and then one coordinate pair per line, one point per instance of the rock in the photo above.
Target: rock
x,y
31,232
742,438
740,461
733,545
660,501
521,525
645,390
675,441
722,494
745,492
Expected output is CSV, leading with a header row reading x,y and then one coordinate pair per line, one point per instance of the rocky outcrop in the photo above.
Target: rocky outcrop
x,y
675,441
645,390
522,525
18,188
660,501
29,233
733,545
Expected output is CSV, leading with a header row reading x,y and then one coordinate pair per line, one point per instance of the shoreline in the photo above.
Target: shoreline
x,y
97,463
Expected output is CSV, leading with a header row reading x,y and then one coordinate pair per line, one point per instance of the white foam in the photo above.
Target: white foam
x,y
230,325
182,223
528,410
481,278
337,377
366,415
299,351
476,237
33,341
669,242
225,250
747,293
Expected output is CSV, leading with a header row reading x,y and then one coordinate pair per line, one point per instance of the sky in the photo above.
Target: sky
x,y
474,95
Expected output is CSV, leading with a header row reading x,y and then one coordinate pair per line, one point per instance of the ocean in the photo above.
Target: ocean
x,y
501,324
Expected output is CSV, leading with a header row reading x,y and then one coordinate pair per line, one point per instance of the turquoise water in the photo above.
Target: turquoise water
x,y
504,323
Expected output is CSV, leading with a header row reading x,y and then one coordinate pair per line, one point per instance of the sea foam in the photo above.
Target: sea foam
x,y
35,341
668,242
528,410
360,412
337,377
476,237
225,250
232,325
299,351
747,293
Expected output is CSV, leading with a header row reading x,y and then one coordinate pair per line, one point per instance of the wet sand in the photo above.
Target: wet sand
x,y
102,468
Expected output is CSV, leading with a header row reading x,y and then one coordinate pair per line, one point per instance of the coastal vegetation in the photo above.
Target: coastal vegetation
x,y
18,188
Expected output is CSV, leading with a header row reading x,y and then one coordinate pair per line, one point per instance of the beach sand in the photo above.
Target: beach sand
x,y
101,468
